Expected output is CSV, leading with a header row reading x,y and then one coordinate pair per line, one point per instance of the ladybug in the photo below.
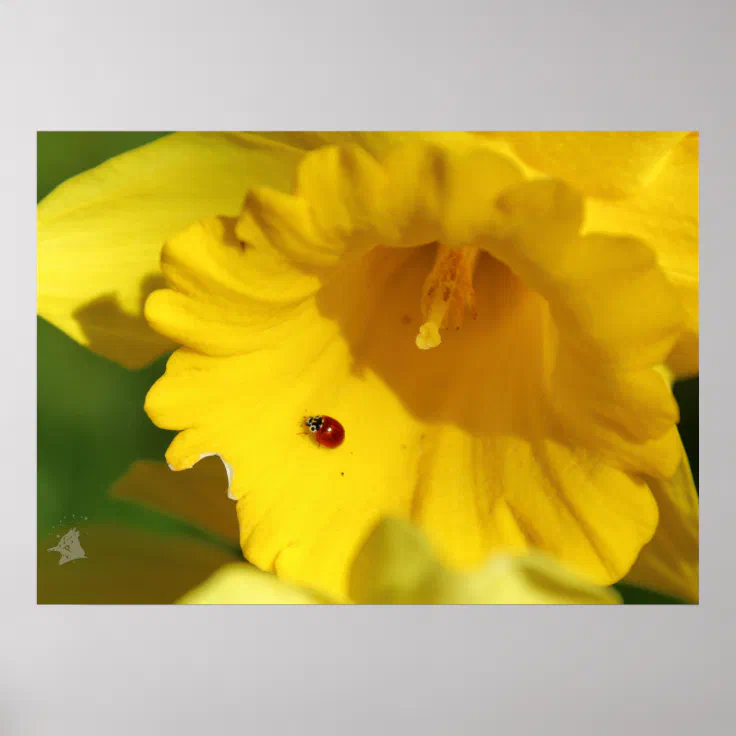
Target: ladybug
x,y
327,430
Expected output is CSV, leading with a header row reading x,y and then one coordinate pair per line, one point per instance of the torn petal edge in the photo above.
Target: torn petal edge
x,y
228,470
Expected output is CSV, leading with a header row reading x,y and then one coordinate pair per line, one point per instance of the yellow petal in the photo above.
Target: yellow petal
x,y
207,258
669,563
291,312
100,234
514,493
376,142
397,565
600,164
664,215
240,583
612,317
125,565
661,211
198,496
442,192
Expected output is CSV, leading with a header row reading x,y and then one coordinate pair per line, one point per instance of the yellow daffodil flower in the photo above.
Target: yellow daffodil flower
x,y
494,319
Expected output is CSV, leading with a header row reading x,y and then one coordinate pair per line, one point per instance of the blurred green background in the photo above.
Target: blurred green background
x,y
91,424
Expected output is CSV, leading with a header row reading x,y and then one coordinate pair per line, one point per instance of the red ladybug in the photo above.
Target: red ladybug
x,y
327,431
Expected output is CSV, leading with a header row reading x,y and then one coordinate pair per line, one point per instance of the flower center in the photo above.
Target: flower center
x,y
447,293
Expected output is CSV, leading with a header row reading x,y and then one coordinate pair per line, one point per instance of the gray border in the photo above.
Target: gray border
x,y
90,670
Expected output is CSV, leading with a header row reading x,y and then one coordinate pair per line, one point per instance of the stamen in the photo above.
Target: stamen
x,y
447,293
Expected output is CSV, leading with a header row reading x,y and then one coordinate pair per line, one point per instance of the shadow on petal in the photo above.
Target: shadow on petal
x,y
111,331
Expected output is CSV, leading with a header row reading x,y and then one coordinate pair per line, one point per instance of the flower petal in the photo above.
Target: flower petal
x,y
198,496
240,583
126,565
509,493
397,565
662,211
600,164
664,215
100,234
613,318
669,563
